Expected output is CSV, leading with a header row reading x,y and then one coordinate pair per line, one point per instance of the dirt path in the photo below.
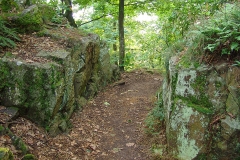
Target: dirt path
x,y
110,127
117,115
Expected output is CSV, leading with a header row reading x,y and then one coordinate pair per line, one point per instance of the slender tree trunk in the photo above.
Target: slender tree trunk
x,y
115,37
115,43
69,13
121,35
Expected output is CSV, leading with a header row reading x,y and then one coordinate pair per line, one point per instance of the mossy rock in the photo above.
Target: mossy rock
x,y
19,144
5,73
6,154
2,130
30,20
29,157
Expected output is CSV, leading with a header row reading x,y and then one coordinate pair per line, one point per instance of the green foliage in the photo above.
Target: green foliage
x,y
155,118
8,5
51,13
237,63
128,62
19,144
29,157
177,16
7,36
222,34
6,154
30,21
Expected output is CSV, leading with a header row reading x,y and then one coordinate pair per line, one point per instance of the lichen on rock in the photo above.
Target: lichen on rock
x,y
198,102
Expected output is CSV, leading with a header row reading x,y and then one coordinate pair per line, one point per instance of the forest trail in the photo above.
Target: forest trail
x,y
110,126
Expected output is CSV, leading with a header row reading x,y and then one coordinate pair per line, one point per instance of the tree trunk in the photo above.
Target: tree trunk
x,y
115,37
69,13
115,43
121,35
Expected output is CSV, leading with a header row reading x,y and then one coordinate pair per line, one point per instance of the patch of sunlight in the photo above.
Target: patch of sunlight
x,y
146,17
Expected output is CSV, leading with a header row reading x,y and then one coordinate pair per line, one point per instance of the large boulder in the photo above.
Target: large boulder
x,y
202,111
49,92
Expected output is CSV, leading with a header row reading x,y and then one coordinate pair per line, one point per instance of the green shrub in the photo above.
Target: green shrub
x,y
222,32
237,63
8,5
155,119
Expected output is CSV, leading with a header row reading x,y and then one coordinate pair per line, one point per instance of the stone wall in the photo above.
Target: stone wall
x,y
202,110
49,92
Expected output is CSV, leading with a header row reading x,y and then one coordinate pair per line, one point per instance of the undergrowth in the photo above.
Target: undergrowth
x,y
217,37
7,36
155,118
155,129
222,32
212,39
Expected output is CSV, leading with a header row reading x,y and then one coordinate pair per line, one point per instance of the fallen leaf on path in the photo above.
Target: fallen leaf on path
x,y
89,139
29,61
115,150
93,146
104,154
106,103
130,144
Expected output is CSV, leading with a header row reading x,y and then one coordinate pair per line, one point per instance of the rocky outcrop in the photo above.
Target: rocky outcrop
x,y
202,111
49,92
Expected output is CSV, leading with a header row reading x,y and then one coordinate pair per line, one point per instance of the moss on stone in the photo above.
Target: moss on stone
x,y
202,105
19,144
29,157
201,156
2,130
200,83
5,74
200,108
174,84
30,21
185,62
6,154
201,101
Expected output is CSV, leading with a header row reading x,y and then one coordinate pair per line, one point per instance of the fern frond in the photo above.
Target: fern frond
x,y
7,36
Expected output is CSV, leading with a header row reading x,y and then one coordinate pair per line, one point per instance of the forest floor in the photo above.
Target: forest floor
x,y
110,127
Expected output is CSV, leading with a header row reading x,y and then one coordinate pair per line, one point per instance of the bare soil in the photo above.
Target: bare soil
x,y
110,127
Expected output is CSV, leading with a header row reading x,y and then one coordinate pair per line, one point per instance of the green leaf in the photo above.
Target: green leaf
x,y
211,47
237,63
237,38
234,46
225,51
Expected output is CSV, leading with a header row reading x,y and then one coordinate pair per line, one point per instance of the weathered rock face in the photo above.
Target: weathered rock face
x,y
202,110
48,93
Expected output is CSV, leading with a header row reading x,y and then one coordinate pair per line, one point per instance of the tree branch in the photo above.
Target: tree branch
x,y
105,15
131,4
